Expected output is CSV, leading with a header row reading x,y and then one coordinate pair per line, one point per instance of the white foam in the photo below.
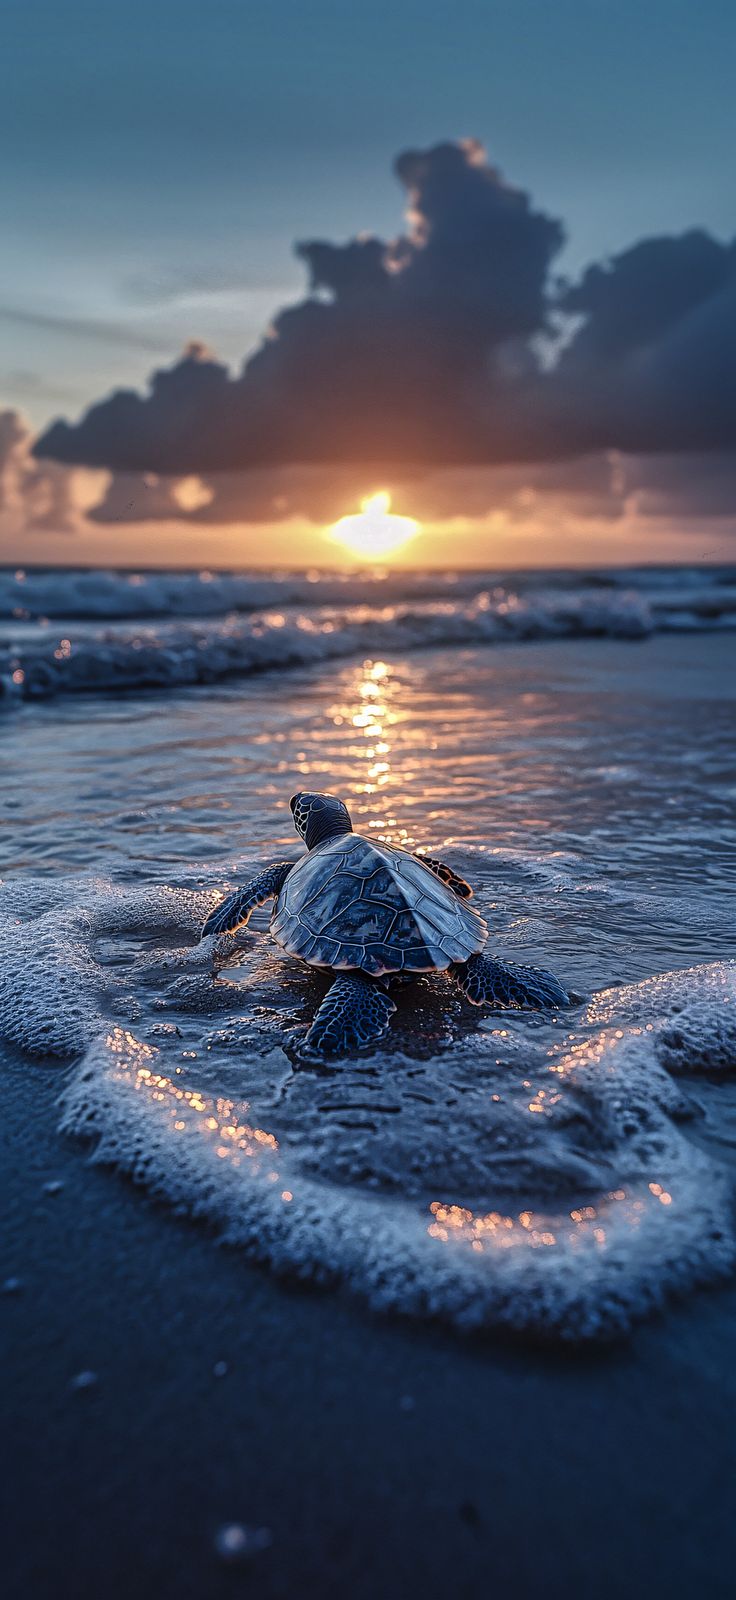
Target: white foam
x,y
54,993
694,1030
515,1178
583,1273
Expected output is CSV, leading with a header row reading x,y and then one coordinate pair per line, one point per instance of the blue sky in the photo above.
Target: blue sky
x,y
164,156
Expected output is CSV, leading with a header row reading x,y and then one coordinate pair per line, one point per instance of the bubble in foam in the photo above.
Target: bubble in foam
x,y
700,1038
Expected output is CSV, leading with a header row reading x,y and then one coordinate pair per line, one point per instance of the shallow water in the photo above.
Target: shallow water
x,y
589,789
481,1168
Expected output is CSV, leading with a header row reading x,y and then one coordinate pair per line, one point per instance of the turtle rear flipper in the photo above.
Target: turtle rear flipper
x,y
486,982
448,876
355,1013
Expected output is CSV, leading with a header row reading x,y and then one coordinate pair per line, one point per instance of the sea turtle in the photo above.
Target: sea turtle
x,y
371,913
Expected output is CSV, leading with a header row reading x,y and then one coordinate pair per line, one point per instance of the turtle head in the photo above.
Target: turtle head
x,y
318,817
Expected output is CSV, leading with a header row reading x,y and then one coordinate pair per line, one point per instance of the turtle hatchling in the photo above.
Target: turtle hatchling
x,y
371,914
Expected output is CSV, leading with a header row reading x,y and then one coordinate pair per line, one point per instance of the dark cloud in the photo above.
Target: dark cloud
x,y
685,485
652,365
424,354
138,497
389,359
637,298
603,487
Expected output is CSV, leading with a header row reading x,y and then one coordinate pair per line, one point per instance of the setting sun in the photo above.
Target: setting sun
x,y
374,531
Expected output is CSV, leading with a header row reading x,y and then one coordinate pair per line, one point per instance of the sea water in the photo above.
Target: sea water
x,y
566,744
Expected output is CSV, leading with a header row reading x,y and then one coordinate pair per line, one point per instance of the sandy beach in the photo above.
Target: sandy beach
x,y
384,1459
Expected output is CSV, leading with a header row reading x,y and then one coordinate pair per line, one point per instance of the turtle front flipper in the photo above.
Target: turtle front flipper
x,y
233,912
355,1013
486,982
452,879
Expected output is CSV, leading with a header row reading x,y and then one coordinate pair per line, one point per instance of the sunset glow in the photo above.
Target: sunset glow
x,y
374,532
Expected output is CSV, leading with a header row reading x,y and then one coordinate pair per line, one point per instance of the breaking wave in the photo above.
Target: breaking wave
x,y
248,624
176,656
706,593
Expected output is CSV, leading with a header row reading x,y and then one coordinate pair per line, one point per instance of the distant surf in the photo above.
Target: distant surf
x,y
66,632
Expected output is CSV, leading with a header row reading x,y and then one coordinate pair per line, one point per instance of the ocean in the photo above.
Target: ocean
x,y
566,742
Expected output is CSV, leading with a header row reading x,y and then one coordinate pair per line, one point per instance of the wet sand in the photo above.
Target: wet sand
x,y
386,1460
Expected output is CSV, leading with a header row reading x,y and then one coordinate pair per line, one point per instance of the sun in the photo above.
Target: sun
x,y
374,531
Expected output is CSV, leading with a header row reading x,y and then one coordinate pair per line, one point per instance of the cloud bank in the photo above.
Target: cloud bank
x,y
453,349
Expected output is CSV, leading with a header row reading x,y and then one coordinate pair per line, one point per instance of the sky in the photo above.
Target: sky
x,y
167,156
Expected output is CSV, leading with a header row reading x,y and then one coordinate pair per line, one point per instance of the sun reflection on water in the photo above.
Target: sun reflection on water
x,y
188,1108
456,1224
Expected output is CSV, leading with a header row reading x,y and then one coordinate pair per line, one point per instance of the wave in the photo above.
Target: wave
x,y
313,618
521,1176
115,596
110,596
177,655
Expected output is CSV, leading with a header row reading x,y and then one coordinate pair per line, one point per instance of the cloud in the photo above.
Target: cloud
x,y
652,365
263,495
12,437
622,503
35,496
676,486
138,497
395,355
597,489
452,349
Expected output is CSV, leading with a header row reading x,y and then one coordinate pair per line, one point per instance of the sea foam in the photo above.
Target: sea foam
x,y
490,1172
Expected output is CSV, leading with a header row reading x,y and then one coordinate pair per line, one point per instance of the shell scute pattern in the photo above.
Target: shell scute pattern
x,y
404,930
363,920
378,884
357,903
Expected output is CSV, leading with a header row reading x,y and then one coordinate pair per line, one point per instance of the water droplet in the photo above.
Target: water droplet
x,y
236,1542
83,1380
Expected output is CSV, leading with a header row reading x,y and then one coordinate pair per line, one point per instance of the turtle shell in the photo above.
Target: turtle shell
x,y
356,903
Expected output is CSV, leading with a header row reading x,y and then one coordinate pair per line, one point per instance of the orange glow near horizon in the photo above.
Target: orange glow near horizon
x,y
374,532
